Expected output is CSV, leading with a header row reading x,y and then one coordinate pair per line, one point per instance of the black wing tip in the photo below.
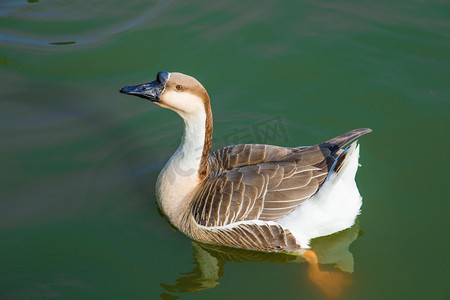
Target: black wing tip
x,y
359,132
344,139
365,130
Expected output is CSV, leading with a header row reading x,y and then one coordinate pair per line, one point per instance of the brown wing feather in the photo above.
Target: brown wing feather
x,y
258,182
260,237
262,182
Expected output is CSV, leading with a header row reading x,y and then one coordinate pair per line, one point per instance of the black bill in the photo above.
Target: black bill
x,y
151,91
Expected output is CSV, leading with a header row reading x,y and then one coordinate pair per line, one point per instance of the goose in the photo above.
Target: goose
x,y
252,196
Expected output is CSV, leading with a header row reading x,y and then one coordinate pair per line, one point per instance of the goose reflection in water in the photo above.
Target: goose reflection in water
x,y
330,250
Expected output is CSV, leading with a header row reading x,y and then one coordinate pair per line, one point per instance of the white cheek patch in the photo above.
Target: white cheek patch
x,y
183,102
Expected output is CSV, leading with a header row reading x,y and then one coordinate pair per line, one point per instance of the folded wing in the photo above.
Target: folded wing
x,y
259,182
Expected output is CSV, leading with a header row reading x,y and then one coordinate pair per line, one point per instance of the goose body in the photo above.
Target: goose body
x,y
252,196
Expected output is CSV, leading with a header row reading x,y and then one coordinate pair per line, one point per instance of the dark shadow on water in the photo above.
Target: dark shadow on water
x,y
63,43
210,260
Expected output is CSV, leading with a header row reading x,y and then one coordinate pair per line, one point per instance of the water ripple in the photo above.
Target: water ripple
x,y
54,23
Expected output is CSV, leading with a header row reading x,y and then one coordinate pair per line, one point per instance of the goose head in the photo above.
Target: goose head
x,y
176,91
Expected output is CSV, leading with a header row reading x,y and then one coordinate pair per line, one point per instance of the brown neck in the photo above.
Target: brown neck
x,y
203,169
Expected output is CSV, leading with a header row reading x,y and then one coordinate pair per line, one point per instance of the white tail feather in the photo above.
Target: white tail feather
x,y
333,208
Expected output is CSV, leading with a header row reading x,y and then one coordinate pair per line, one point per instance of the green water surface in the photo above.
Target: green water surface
x,y
78,160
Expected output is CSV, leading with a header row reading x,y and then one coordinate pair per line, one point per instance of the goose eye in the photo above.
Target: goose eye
x,y
179,87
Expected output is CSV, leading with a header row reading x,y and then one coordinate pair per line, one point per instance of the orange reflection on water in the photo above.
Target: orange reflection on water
x,y
331,284
331,250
